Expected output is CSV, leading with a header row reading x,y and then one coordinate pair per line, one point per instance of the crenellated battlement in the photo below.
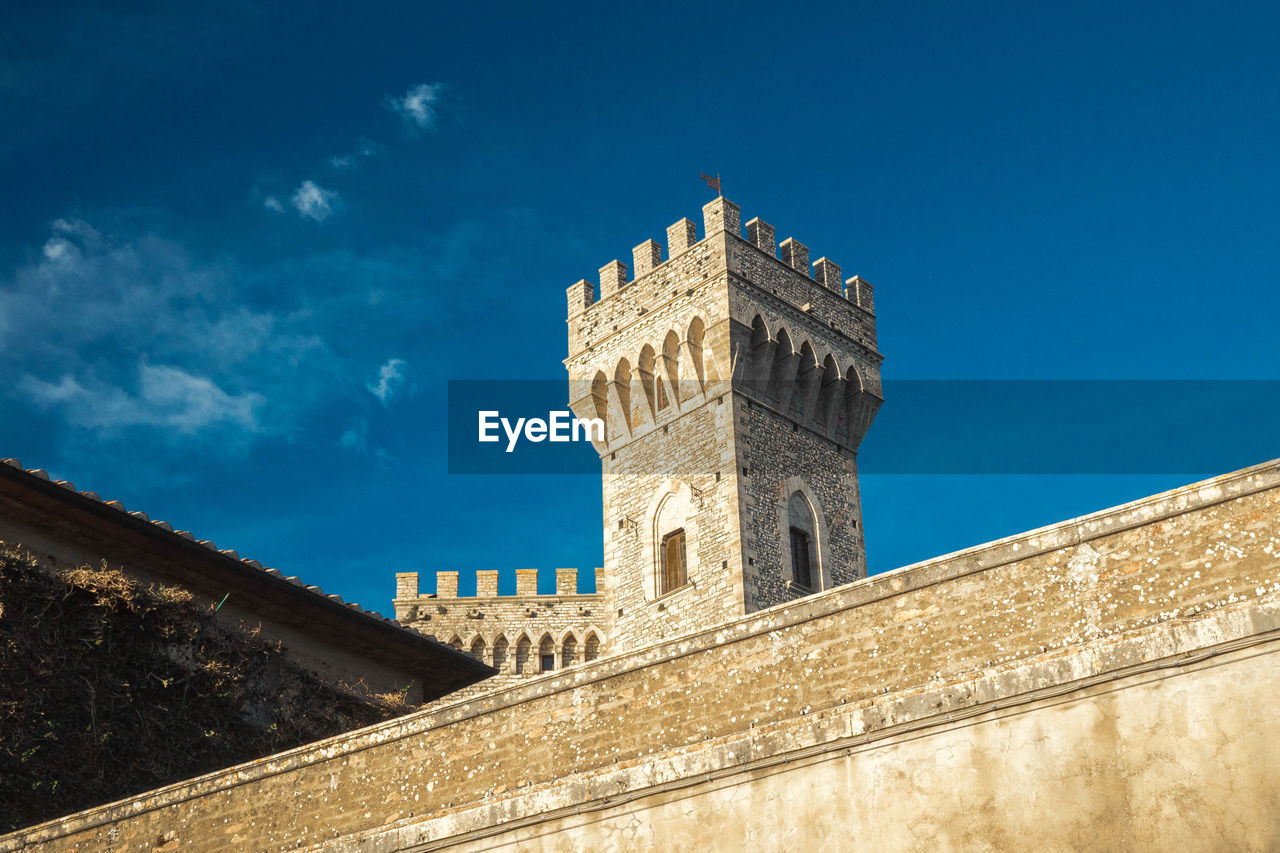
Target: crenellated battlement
x,y
408,586
718,216
522,634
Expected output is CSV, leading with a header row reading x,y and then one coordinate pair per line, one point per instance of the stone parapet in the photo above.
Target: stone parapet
x,y
1141,632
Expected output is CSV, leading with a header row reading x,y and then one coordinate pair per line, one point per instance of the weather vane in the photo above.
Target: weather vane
x,y
714,183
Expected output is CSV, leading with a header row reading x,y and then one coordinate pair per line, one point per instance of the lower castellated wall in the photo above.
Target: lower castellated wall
x,y
1106,683
521,635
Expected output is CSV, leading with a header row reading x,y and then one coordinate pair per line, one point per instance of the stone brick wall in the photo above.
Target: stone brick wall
x,y
699,455
1103,679
777,461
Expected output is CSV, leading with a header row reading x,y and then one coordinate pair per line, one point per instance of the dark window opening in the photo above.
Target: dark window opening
x,y
548,663
673,563
800,567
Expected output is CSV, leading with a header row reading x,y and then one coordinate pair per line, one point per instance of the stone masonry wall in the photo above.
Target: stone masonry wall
x,y
777,459
1090,617
694,453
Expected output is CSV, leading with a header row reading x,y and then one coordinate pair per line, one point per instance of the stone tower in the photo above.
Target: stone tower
x,y
735,386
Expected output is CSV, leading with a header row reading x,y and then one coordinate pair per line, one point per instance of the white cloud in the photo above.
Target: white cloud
x,y
87,290
273,203
356,440
119,333
391,379
356,437
314,201
114,330
166,397
365,148
417,106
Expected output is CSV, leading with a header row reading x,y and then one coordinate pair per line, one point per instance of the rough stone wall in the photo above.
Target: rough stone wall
x,y
777,461
508,632
1065,642
1186,760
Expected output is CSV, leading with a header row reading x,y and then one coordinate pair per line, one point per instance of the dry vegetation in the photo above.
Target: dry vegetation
x,y
109,687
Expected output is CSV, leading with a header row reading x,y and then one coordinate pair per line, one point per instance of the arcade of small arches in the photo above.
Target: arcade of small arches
x,y
811,387
529,655
814,387
659,383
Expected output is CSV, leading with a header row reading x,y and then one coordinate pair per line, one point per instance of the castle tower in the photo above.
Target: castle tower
x,y
736,384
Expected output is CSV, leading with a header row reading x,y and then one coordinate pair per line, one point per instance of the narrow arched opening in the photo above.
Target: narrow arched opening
x,y
524,649
828,393
569,650
501,651
591,648
546,654
805,397
697,330
645,367
782,373
622,388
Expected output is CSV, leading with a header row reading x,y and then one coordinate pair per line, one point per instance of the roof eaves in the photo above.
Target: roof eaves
x,y
235,562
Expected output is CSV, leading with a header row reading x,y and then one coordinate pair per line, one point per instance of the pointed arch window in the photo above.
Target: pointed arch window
x,y
801,567
801,532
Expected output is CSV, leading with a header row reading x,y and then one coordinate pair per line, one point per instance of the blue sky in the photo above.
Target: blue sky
x,y
244,247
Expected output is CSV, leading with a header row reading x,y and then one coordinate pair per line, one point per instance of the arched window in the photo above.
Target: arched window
x,y
547,654
671,540
500,650
802,541
477,649
591,649
524,648
569,651
456,642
